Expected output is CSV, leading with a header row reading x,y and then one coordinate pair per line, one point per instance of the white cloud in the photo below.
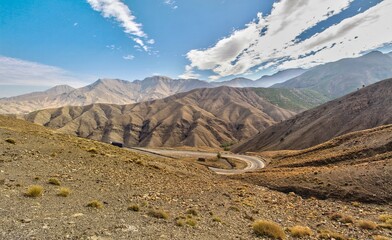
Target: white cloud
x,y
76,24
171,3
19,72
121,13
189,73
129,57
273,40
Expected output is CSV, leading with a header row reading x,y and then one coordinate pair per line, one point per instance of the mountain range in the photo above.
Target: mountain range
x,y
116,91
331,80
339,78
202,117
366,108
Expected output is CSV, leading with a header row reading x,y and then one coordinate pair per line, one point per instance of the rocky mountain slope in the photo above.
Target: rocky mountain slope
x,y
92,190
353,167
113,91
367,108
202,117
116,91
344,76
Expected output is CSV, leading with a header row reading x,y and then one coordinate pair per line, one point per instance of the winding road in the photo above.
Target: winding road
x,y
253,162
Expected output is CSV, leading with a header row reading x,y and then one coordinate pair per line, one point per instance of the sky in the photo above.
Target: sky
x,y
44,43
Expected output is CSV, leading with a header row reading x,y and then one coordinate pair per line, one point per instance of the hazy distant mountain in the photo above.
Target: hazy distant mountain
x,y
282,76
344,76
50,93
236,82
202,117
367,108
112,91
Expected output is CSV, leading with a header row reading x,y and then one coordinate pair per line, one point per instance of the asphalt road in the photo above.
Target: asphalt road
x,y
253,162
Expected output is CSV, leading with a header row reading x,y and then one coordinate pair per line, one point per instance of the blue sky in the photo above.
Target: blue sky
x,y
76,42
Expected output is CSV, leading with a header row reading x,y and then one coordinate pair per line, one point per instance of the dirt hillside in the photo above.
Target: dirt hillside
x,y
367,108
117,194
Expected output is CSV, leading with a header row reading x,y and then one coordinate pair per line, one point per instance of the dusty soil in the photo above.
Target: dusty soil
x,y
225,208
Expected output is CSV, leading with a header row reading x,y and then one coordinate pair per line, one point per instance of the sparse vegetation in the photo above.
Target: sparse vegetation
x,y
92,150
342,218
34,191
385,218
218,155
64,192
54,181
134,208
216,219
191,212
191,222
366,224
158,213
379,237
268,228
180,222
300,231
95,204
10,140
328,234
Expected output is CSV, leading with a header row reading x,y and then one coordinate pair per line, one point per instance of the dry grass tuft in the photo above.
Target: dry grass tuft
x,y
180,222
379,237
134,208
385,218
300,231
328,234
216,219
191,212
342,218
95,204
64,192
368,225
268,228
92,150
10,140
54,181
191,222
158,214
34,191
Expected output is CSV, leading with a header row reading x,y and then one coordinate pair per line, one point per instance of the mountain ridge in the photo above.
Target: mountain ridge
x,y
366,108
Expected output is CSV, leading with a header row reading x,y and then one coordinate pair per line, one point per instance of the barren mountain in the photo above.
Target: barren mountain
x,y
116,91
344,76
56,186
113,91
202,117
366,108
353,167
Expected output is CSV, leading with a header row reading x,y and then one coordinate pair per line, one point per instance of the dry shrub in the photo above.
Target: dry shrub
x,y
34,191
191,222
342,218
368,225
159,214
385,218
379,237
95,204
134,208
300,231
328,234
54,181
268,228
64,192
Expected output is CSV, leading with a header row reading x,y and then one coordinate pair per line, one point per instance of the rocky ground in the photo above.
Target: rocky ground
x,y
143,197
